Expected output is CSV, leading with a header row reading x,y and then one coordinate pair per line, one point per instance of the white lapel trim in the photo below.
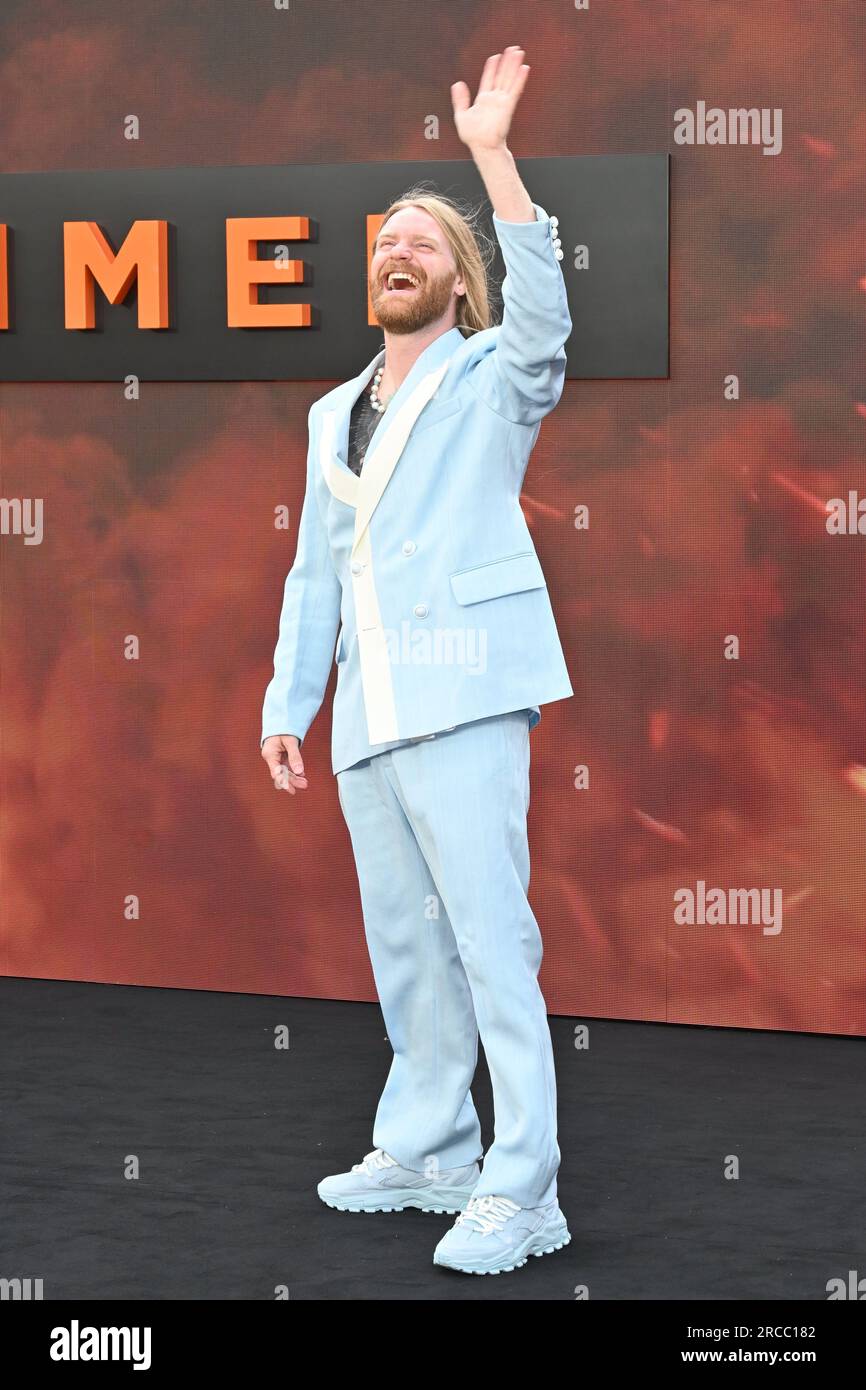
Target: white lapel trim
x,y
379,704
342,482
364,493
387,446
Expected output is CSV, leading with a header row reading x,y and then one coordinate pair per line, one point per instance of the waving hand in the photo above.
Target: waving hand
x,y
485,123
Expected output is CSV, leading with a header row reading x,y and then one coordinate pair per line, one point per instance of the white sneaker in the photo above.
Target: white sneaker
x,y
379,1183
493,1235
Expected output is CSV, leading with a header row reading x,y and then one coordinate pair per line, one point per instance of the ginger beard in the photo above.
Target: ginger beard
x,y
407,311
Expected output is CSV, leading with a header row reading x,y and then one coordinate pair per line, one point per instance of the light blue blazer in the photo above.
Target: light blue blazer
x,y
422,570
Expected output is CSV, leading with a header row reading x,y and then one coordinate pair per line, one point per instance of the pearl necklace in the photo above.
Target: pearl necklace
x,y
374,391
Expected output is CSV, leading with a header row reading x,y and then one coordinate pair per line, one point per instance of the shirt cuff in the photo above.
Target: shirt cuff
x,y
540,216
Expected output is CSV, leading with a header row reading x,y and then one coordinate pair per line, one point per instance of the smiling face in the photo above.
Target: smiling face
x,y
413,245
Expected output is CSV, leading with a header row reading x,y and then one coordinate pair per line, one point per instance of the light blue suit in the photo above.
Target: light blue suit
x,y
447,646
427,558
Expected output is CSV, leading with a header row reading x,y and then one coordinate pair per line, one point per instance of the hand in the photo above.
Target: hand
x,y
485,124
282,753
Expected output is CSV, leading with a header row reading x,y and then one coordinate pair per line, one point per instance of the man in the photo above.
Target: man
x,y
412,534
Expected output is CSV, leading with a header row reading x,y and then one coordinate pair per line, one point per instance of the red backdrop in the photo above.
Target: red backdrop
x,y
706,519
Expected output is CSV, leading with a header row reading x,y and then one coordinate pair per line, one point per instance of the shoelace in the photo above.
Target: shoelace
x,y
377,1159
488,1213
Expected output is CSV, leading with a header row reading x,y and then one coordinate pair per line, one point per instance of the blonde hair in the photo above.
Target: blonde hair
x,y
473,251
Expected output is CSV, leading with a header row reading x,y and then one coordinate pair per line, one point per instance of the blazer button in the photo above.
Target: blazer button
x,y
409,547
357,567
420,610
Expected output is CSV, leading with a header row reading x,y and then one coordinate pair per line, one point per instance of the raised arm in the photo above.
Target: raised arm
x,y
484,126
522,375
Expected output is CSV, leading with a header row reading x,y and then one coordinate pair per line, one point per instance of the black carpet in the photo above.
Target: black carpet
x,y
231,1137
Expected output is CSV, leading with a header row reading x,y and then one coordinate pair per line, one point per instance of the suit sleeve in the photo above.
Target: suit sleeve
x,y
522,374
309,620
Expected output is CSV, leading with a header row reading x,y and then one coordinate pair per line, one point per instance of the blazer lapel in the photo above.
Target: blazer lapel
x,y
391,434
389,442
342,482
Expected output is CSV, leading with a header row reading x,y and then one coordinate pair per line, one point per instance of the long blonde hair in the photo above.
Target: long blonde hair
x,y
473,251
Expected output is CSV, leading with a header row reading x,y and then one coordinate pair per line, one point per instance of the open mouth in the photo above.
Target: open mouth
x,y
397,283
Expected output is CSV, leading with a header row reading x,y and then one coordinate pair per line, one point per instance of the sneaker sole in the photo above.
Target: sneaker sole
x,y
401,1202
546,1249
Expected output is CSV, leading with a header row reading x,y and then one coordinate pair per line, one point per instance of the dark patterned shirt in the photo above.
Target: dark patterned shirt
x,y
362,427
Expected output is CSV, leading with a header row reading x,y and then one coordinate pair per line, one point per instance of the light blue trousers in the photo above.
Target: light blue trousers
x,y
438,831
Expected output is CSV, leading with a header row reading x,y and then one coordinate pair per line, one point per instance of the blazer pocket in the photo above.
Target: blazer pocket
x,y
436,410
494,578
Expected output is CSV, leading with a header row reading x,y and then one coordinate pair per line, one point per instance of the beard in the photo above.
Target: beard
x,y
411,312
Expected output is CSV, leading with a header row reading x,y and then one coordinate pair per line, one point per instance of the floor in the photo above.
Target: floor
x,y
230,1136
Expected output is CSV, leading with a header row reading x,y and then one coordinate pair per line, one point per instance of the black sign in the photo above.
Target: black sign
x,y
616,207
